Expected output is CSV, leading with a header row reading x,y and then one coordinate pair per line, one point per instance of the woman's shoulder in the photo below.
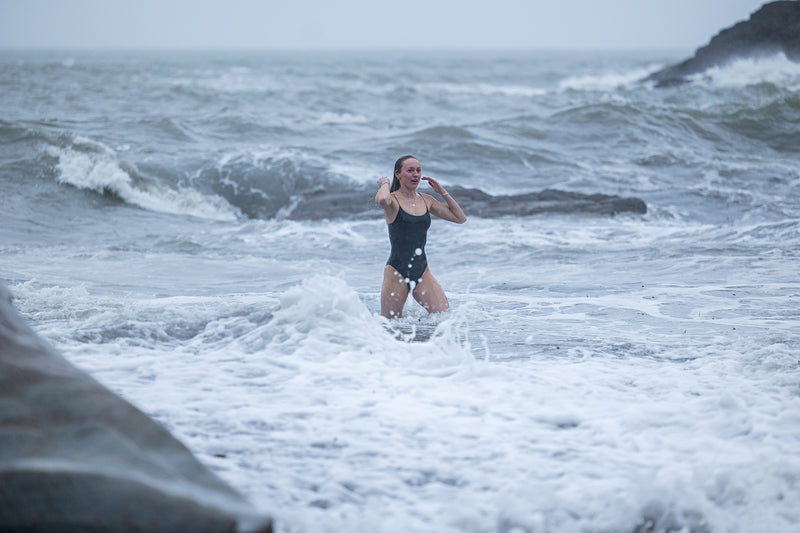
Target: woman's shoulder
x,y
430,201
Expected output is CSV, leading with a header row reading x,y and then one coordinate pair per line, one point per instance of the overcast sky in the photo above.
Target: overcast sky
x,y
367,24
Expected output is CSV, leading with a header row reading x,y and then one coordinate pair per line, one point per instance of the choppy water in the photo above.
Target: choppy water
x,y
638,372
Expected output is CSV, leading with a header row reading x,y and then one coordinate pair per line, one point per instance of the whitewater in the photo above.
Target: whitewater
x,y
597,373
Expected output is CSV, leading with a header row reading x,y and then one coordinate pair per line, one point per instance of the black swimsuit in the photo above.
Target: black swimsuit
x,y
408,234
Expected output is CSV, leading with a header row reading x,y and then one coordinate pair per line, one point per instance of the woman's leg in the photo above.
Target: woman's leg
x,y
394,293
430,294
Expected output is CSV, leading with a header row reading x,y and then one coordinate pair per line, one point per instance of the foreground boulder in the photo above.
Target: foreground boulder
x,y
76,457
773,29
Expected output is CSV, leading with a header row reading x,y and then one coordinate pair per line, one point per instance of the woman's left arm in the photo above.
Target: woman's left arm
x,y
450,210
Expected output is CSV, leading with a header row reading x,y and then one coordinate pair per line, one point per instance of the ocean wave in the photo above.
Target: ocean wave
x,y
261,181
341,118
90,165
235,80
483,89
606,81
172,130
444,134
776,70
772,121
471,153
12,132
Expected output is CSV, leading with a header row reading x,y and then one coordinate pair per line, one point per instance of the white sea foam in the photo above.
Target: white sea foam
x,y
232,81
344,415
484,89
341,118
264,154
605,81
776,69
87,164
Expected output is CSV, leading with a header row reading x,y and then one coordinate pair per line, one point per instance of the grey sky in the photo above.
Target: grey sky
x,y
349,24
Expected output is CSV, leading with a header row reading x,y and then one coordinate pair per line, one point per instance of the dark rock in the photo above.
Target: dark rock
x,y
76,457
478,203
774,28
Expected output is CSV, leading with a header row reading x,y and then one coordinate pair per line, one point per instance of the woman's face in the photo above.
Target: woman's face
x,y
410,174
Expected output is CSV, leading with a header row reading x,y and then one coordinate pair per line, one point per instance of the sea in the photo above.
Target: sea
x,y
597,371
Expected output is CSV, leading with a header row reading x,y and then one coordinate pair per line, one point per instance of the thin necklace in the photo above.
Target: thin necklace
x,y
414,201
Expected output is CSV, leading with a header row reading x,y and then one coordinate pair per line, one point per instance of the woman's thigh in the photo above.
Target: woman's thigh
x,y
394,293
430,294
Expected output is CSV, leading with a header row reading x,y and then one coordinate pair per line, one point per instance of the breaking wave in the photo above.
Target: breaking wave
x,y
90,165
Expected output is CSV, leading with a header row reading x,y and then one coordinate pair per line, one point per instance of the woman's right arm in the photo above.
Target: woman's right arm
x,y
384,200
383,197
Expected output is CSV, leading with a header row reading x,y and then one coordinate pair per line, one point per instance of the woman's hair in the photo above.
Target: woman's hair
x,y
398,166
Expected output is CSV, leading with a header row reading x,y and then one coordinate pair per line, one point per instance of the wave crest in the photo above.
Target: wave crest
x,y
90,165
606,81
777,70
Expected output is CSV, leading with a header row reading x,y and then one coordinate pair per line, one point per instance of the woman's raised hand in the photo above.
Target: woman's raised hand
x,y
438,189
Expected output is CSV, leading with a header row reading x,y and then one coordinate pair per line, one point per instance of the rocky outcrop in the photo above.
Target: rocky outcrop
x,y
774,28
76,457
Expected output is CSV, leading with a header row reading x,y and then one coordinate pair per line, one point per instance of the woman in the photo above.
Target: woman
x,y
408,214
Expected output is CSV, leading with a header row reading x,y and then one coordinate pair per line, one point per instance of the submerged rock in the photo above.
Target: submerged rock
x,y
76,457
774,28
